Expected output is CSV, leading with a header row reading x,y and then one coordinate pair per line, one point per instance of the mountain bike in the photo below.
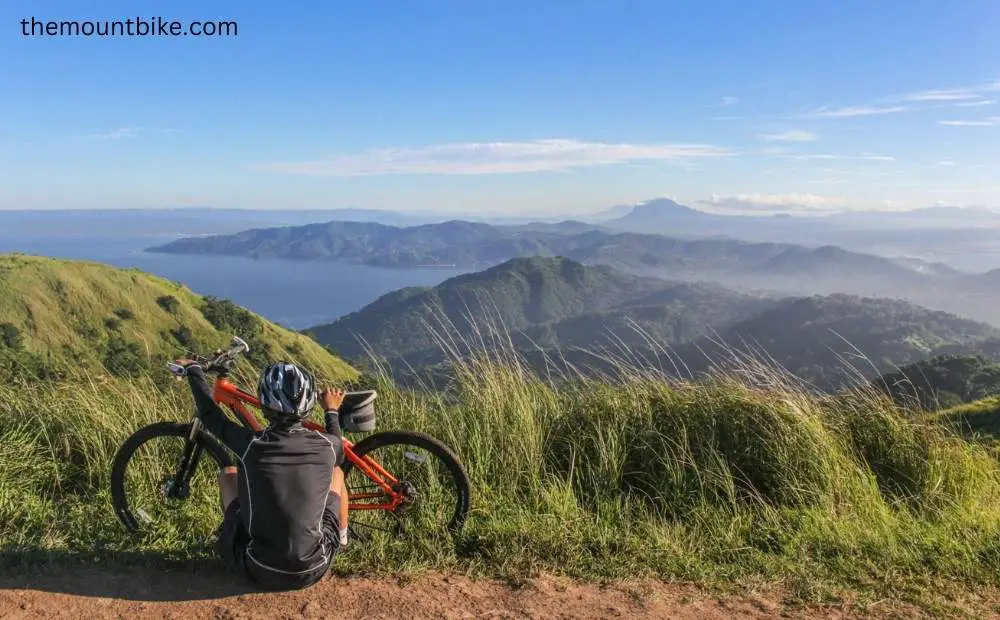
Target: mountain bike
x,y
398,481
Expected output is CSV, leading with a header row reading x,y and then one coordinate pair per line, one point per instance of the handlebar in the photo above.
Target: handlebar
x,y
222,362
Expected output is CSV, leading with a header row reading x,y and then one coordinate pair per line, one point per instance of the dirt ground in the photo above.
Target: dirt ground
x,y
96,593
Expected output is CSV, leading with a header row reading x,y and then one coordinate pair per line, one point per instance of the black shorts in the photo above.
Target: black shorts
x,y
233,541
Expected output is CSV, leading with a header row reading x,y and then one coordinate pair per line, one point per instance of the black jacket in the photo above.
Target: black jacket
x,y
284,483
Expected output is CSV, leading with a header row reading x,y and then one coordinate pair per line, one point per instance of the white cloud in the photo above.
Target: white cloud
x,y
121,133
966,95
792,135
957,94
972,104
728,101
852,111
495,158
983,123
965,123
862,157
946,162
772,202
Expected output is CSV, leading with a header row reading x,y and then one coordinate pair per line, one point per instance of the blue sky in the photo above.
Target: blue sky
x,y
507,107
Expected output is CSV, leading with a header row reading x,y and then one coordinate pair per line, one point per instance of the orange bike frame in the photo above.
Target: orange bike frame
x,y
227,393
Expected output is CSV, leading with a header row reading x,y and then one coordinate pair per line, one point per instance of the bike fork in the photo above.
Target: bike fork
x,y
188,464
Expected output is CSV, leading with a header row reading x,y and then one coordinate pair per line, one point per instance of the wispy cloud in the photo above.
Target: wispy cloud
x,y
963,95
994,120
726,102
942,95
968,96
772,202
495,158
853,111
862,157
792,135
122,133
946,162
973,104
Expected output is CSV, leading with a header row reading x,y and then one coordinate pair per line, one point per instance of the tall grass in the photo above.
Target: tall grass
x,y
743,477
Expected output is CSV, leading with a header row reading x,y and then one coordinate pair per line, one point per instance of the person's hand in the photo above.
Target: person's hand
x,y
184,363
331,399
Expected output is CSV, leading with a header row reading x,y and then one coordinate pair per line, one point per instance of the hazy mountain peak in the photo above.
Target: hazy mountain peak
x,y
665,207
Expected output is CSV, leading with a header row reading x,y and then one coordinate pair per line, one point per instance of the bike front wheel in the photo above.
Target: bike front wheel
x,y
163,481
430,478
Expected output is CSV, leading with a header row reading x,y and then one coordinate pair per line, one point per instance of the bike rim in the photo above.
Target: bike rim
x,y
431,492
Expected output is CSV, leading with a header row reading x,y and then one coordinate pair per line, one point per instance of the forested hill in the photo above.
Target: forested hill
x,y
557,308
553,301
943,381
816,337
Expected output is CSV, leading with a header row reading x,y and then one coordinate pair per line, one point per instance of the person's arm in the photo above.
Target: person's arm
x,y
331,400
234,436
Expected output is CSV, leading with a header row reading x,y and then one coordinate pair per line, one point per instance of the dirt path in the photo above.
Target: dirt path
x,y
96,593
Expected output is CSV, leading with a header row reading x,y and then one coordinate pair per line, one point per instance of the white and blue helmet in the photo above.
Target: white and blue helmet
x,y
287,391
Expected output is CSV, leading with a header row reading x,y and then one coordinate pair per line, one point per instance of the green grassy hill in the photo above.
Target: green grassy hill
x,y
976,420
725,483
60,317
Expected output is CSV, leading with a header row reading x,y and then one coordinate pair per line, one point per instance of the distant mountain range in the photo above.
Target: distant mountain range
x,y
667,216
964,238
476,245
745,266
558,309
930,232
658,215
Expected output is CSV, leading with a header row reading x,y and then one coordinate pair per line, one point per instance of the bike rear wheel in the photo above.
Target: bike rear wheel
x,y
150,490
432,478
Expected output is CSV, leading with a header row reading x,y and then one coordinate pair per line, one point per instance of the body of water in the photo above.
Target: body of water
x,y
297,294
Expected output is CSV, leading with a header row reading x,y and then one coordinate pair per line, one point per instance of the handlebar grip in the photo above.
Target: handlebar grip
x,y
176,369
240,345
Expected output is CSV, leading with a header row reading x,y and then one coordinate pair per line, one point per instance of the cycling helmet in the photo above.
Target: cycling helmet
x,y
286,391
